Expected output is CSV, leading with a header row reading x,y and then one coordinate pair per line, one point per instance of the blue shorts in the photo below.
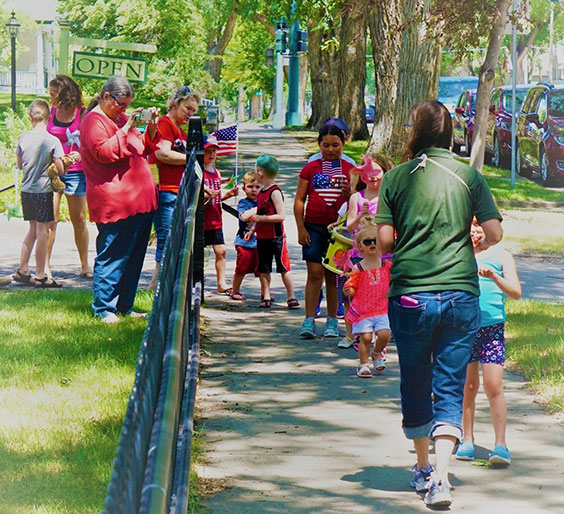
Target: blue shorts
x,y
320,237
489,346
75,183
371,324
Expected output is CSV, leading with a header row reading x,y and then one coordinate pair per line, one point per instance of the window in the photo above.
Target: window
x,y
557,104
542,108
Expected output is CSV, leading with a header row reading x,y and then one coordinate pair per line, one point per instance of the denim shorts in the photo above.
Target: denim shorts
x,y
162,220
317,249
434,340
75,183
371,324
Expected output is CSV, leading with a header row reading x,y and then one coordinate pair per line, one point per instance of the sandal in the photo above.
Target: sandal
x,y
292,303
41,283
22,278
88,275
265,303
363,371
237,295
227,291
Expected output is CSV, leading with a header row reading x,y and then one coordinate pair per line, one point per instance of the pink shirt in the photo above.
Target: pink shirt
x,y
371,286
68,136
119,183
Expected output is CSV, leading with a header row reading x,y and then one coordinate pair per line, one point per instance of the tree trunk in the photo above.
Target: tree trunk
x,y
323,64
241,101
419,67
487,75
304,70
523,47
256,107
385,20
352,67
217,48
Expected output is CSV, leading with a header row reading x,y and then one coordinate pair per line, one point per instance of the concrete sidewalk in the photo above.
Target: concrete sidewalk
x,y
290,428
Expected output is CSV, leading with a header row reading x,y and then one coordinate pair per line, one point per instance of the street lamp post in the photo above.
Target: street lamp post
x,y
13,27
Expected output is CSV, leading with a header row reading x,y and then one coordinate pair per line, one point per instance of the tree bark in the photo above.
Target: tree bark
x,y
523,47
241,100
385,20
352,67
304,70
419,67
487,75
217,47
323,65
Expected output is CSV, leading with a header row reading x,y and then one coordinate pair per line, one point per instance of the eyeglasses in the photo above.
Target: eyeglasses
x,y
369,241
121,105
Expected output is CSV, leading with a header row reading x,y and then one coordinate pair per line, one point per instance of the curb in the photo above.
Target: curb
x,y
531,205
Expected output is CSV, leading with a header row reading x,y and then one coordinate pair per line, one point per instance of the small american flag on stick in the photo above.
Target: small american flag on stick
x,y
226,140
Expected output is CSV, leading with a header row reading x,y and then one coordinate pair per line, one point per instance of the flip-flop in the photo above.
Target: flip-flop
x,y
227,291
23,279
237,295
88,275
41,283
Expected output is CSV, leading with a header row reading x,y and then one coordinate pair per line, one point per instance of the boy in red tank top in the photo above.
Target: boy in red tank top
x,y
271,240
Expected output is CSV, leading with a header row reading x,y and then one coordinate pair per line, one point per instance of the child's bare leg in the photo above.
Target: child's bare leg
x,y
265,286
471,387
52,231
364,347
27,247
493,387
382,340
332,294
237,281
288,284
220,252
153,285
41,249
314,281
348,328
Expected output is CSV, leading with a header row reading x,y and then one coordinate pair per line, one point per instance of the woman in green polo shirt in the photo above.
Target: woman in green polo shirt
x,y
429,202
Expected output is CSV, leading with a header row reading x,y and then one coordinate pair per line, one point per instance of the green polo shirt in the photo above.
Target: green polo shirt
x,y
431,210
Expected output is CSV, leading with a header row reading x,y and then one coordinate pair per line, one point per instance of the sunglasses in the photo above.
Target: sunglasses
x,y
369,241
121,105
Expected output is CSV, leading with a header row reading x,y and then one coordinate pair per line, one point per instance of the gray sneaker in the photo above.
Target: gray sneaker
x,y
420,479
438,494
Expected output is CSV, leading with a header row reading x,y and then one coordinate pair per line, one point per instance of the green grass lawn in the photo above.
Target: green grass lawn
x,y
64,385
535,348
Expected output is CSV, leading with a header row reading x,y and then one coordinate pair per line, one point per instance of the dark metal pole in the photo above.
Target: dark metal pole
x,y
13,38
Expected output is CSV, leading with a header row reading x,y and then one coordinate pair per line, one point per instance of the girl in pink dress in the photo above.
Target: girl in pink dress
x,y
368,284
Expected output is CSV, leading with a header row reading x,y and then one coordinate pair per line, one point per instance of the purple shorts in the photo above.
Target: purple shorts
x,y
489,346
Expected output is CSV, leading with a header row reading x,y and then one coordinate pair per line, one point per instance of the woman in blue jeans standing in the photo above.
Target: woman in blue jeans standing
x,y
171,161
429,202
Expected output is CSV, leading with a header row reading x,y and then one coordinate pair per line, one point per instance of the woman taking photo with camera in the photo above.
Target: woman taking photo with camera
x,y
121,195
171,161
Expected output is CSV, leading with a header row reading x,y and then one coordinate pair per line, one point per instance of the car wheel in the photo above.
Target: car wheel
x,y
467,145
496,157
546,179
518,166
455,146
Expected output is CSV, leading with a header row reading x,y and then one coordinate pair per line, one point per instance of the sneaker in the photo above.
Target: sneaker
x,y
438,494
345,343
340,311
465,451
420,479
331,328
500,456
308,328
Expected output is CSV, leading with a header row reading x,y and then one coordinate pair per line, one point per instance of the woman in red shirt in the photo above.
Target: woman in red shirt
x,y
171,161
121,195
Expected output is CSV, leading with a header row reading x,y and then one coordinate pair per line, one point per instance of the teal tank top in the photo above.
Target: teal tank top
x,y
492,304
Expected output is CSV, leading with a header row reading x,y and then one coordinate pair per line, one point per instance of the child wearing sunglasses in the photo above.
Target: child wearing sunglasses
x,y
368,285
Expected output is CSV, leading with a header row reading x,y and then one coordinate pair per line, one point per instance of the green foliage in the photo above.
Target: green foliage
x,y
244,61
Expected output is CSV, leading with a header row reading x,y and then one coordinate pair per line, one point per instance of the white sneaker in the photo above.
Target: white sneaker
x,y
110,317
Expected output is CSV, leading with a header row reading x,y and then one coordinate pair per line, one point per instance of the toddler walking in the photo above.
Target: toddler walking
x,y
35,152
368,284
498,278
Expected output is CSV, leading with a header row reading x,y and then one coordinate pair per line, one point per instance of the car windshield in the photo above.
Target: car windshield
x,y
508,100
454,88
557,104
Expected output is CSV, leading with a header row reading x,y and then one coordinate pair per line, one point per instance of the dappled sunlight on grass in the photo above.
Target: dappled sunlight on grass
x,y
65,379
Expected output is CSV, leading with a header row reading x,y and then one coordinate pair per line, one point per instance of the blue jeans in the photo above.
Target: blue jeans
x,y
162,220
120,251
434,340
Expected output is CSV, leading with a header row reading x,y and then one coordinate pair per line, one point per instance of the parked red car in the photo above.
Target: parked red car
x,y
498,135
463,121
540,133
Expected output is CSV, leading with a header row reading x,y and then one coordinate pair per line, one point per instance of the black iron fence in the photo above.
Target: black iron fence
x,y
151,470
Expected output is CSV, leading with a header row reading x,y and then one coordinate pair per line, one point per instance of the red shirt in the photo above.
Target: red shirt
x,y
324,195
170,174
212,209
265,207
119,183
